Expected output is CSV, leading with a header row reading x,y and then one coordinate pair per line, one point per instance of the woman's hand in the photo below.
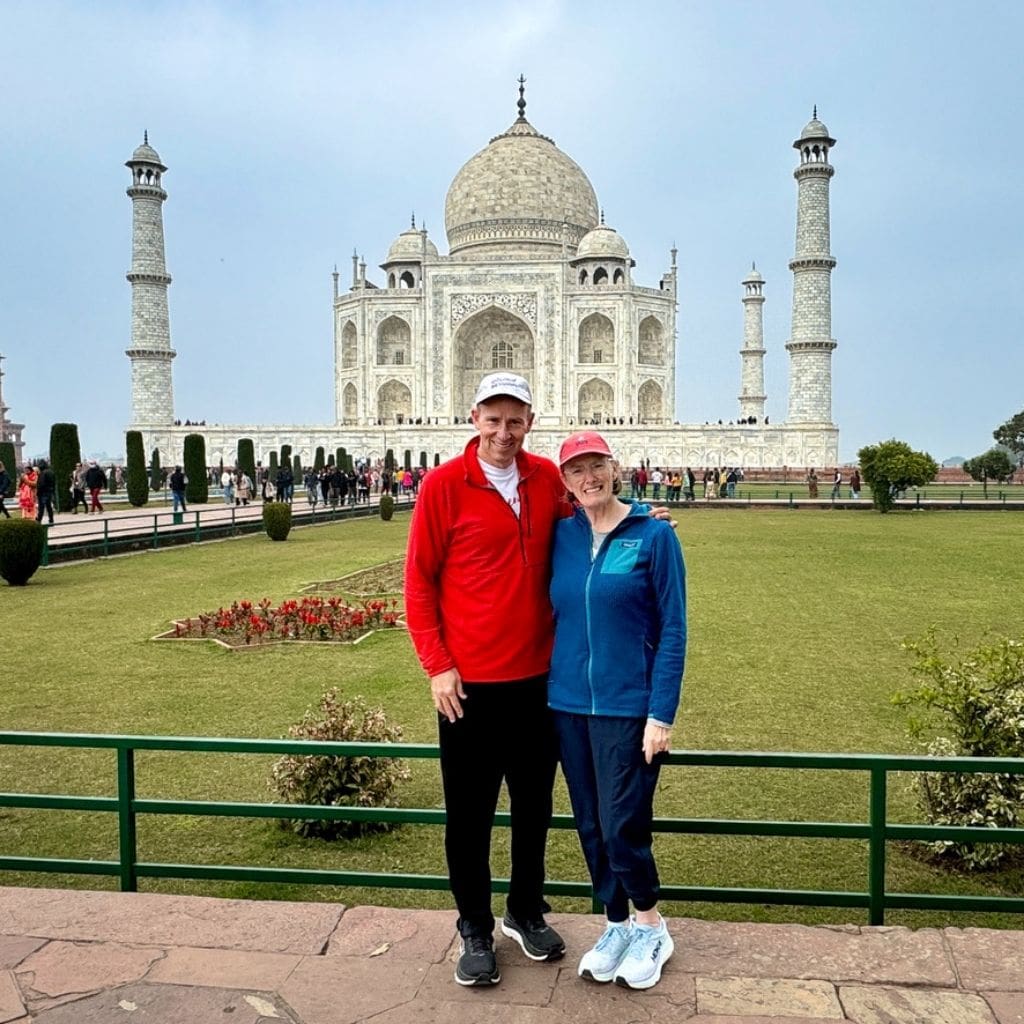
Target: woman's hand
x,y
656,740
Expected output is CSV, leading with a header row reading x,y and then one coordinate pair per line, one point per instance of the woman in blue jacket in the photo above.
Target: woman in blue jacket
x,y
618,590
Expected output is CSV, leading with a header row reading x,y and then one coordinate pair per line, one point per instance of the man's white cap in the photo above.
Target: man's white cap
x,y
509,385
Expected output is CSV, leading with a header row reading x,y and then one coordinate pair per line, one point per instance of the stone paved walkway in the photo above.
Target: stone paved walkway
x,y
72,957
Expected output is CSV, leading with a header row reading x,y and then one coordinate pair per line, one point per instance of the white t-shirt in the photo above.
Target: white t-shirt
x,y
504,481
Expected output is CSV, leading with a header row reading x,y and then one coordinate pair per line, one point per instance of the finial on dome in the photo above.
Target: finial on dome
x,y
413,220
753,265
522,98
815,111
145,137
602,216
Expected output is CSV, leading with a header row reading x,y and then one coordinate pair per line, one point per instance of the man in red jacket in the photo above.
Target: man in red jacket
x,y
477,606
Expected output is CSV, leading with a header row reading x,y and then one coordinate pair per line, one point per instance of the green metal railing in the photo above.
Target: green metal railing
x,y
877,830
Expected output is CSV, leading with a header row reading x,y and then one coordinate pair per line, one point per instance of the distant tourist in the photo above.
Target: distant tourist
x,y
837,481
27,492
176,481
78,489
96,481
46,487
855,485
812,483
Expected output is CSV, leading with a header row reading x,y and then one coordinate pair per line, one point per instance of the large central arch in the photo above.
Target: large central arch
x,y
488,340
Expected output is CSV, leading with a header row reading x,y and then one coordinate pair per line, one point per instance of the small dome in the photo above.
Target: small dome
x,y
814,129
408,246
753,276
146,154
602,242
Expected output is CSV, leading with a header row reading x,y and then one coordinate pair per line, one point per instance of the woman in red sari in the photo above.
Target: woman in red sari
x,y
27,492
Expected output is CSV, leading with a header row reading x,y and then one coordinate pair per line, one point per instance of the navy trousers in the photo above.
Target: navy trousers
x,y
612,787
505,733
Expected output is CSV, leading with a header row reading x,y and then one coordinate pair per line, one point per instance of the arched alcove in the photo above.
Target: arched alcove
x,y
350,403
649,402
394,341
649,346
348,345
596,401
477,340
596,340
394,400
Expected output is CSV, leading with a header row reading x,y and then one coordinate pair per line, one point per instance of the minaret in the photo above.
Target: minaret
x,y
810,345
150,352
752,396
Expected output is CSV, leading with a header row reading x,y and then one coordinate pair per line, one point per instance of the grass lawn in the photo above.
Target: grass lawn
x,y
795,624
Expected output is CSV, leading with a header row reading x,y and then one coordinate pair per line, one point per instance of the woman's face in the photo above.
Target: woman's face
x,y
589,478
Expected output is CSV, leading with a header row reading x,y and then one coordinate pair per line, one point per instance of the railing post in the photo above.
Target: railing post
x,y
156,532
876,848
106,537
199,532
127,843
46,546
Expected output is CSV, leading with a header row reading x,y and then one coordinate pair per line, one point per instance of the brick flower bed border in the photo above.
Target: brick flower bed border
x,y
288,608
337,585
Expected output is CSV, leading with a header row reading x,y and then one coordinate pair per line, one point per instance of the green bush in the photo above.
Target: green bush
x,y
65,454
437,458
389,460
135,483
272,469
197,490
7,458
245,460
973,703
387,507
277,519
407,463
297,473
112,480
339,781
892,466
285,458
156,476
21,549
318,460
340,457
423,460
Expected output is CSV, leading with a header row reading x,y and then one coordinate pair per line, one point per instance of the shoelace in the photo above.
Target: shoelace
x,y
611,934
644,936
477,945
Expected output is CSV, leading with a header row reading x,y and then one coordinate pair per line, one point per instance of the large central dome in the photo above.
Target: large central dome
x,y
514,197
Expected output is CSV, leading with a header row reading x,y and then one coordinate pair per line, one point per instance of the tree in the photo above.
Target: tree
x,y
197,490
892,466
341,458
318,459
272,469
285,458
135,482
65,454
7,458
1011,434
389,460
995,464
245,459
297,470
156,476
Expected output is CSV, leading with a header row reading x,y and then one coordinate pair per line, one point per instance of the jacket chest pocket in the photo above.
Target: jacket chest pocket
x,y
621,556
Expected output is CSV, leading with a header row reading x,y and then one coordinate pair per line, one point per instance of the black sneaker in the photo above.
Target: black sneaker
x,y
539,941
477,965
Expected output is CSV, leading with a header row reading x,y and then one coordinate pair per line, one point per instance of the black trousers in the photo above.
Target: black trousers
x,y
506,733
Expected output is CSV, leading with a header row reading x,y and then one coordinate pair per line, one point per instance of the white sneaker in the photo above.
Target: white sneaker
x,y
601,962
649,948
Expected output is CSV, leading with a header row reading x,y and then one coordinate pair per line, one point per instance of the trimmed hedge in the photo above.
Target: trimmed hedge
x,y
408,458
112,480
245,459
387,507
135,483
277,519
272,468
297,473
389,460
7,458
423,460
341,458
65,454
156,476
21,549
285,458
197,490
318,460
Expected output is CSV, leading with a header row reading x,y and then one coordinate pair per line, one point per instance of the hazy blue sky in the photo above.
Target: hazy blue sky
x,y
295,131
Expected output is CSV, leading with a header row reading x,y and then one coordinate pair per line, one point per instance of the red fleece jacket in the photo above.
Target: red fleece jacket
x,y
476,577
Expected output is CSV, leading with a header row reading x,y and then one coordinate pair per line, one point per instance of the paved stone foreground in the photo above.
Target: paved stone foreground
x,y
73,957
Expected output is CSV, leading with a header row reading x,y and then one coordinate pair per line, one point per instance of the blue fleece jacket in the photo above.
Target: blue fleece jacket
x,y
620,619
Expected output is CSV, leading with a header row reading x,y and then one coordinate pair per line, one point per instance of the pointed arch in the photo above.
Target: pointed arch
x,y
596,340
596,401
394,342
394,400
348,345
650,347
350,403
649,402
479,338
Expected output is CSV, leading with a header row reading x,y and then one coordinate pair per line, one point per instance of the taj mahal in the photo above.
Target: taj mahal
x,y
533,281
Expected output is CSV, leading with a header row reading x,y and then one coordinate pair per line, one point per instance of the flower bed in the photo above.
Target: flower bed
x,y
308,619
386,578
